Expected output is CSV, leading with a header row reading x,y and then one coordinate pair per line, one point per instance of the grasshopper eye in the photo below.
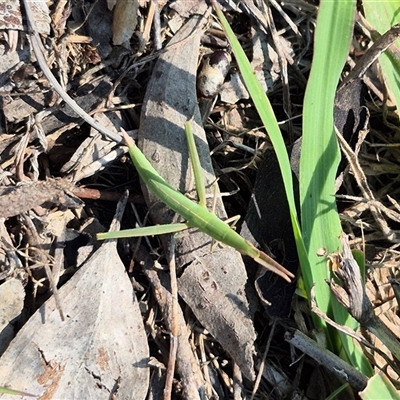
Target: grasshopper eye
x,y
212,74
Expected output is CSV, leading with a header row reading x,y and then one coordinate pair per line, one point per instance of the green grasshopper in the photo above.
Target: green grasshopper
x,y
196,214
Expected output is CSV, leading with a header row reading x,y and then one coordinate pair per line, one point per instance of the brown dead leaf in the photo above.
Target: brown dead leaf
x,y
265,65
187,8
12,296
11,18
216,297
99,351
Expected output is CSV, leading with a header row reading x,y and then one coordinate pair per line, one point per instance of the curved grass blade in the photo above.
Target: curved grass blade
x,y
264,108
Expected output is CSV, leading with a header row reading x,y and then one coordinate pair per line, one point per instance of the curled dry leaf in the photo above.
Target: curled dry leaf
x,y
212,73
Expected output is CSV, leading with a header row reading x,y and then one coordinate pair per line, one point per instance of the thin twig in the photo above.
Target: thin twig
x,y
39,53
262,363
381,44
49,273
174,324
157,26
362,183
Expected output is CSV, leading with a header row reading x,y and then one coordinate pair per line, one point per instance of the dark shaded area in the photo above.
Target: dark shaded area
x,y
268,223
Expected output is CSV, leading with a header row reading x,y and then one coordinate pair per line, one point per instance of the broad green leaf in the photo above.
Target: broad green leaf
x,y
320,157
379,387
318,167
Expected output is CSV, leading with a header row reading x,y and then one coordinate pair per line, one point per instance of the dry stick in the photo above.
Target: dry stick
x,y
204,364
287,19
49,273
393,215
262,363
174,323
363,185
157,26
328,359
187,365
147,28
237,384
39,53
20,154
381,45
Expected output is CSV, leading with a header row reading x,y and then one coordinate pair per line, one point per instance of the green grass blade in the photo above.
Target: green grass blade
x,y
264,108
144,231
379,387
16,392
196,165
382,16
318,166
334,395
320,221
